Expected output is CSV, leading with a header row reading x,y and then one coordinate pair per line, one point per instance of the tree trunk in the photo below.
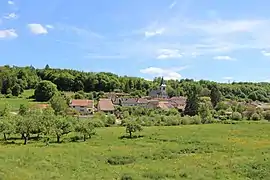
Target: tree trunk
x,y
58,139
22,136
130,134
5,137
84,137
25,139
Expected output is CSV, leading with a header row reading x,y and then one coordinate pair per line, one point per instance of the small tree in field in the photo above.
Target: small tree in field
x,y
24,126
6,122
86,128
62,125
47,122
7,126
132,127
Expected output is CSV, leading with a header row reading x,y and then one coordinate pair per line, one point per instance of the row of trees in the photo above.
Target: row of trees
x,y
13,80
36,122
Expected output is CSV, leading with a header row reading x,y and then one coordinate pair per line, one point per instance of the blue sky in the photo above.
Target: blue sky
x,y
200,39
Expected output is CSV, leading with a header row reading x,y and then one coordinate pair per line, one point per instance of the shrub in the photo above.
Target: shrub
x,y
121,160
266,115
9,96
196,120
186,120
236,116
126,177
255,117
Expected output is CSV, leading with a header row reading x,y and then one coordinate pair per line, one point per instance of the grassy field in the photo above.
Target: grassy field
x,y
17,101
215,151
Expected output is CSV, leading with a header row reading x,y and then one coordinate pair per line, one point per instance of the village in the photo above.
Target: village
x,y
157,99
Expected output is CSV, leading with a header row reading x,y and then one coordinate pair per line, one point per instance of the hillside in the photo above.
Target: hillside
x,y
14,80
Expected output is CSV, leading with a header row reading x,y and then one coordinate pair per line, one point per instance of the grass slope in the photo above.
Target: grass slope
x,y
208,152
15,102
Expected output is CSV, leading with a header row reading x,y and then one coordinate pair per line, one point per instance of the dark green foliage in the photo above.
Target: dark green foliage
x,y
215,96
16,90
236,116
121,160
192,104
45,91
13,80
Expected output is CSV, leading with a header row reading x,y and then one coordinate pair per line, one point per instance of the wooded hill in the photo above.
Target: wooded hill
x,y
14,80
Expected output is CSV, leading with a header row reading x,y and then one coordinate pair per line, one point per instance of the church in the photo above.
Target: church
x,y
161,92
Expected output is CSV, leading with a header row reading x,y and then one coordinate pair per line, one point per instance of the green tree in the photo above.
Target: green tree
x,y
23,109
215,96
192,103
24,126
62,126
132,127
59,104
45,91
7,126
205,113
16,90
6,111
86,128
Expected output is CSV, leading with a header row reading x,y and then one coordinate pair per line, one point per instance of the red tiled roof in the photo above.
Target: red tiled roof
x,y
105,105
82,102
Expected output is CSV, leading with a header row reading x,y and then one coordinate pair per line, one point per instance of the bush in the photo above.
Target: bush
x,y
9,96
196,120
126,177
236,116
266,115
121,160
186,120
255,117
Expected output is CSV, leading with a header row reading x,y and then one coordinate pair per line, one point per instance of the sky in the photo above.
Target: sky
x,y
199,39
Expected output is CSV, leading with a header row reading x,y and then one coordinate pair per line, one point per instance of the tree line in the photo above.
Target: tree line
x,y
14,80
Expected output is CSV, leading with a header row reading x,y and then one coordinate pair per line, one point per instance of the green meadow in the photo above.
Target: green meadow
x,y
214,151
15,102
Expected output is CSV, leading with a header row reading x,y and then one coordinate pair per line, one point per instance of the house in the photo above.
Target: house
x,y
83,106
128,101
142,102
179,102
105,105
161,92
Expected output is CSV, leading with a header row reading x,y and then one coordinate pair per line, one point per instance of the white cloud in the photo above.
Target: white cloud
x,y
171,73
265,53
169,53
49,26
225,58
11,2
172,5
154,32
11,16
8,33
37,29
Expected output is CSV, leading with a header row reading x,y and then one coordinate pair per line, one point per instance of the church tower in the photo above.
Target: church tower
x,y
163,90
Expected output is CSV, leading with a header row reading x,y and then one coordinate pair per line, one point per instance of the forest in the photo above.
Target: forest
x,y
14,80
